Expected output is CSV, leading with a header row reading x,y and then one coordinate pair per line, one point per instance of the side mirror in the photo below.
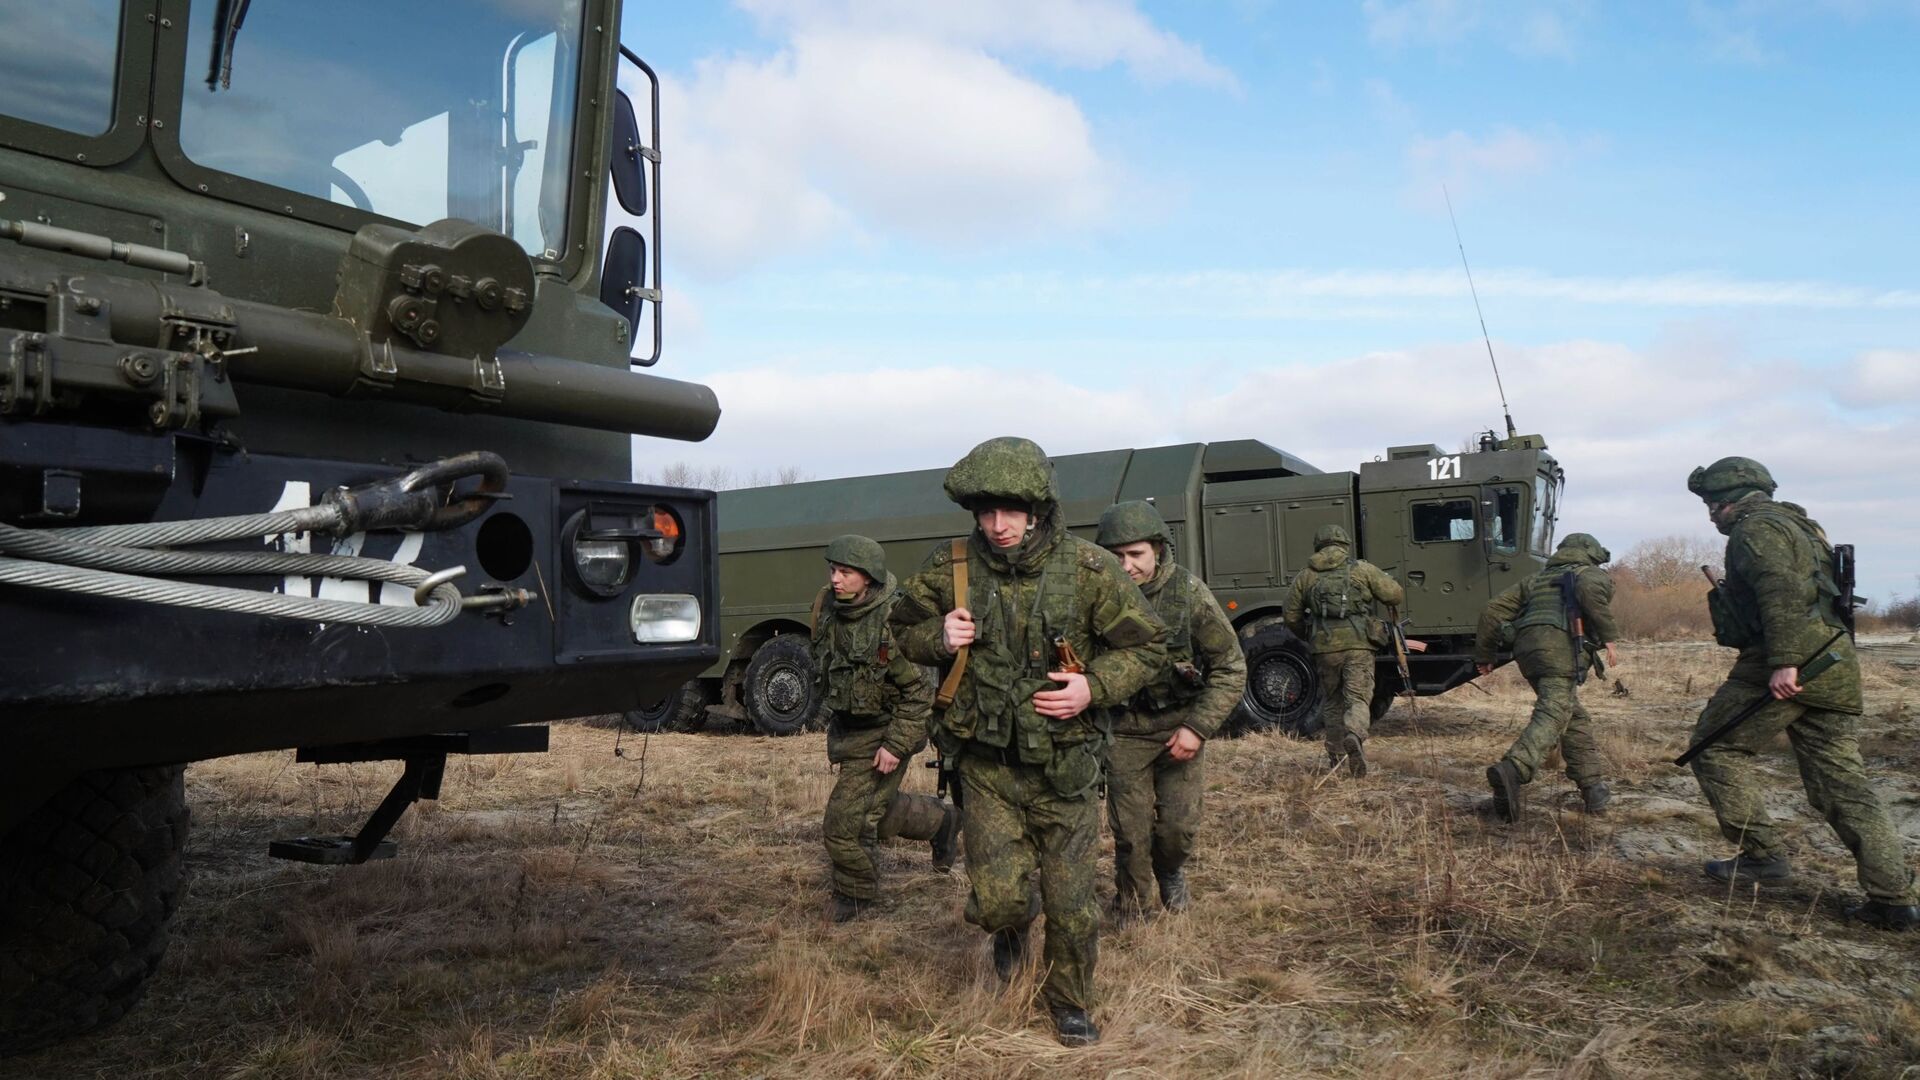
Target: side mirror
x,y
630,276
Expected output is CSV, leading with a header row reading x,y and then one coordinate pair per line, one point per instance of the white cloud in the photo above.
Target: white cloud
x,y
1466,164
1882,378
1387,106
1418,22
1532,28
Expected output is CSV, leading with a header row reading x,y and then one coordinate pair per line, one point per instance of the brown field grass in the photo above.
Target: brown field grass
x,y
658,914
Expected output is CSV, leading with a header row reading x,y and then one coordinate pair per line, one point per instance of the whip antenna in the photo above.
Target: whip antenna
x,y
1484,336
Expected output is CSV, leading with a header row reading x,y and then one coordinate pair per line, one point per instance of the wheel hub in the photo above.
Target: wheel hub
x,y
786,690
1277,683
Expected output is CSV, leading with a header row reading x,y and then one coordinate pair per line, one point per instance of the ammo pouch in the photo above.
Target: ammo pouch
x,y
1075,769
1728,628
1378,635
1505,636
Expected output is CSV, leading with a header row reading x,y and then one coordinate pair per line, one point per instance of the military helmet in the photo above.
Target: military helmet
x,y
1585,544
860,553
1730,479
1328,535
1008,469
1131,522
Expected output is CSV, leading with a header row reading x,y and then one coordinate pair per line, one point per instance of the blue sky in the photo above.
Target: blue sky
x,y
895,228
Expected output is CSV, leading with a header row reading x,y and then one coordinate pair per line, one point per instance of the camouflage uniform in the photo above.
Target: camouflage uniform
x,y
1333,606
1030,783
1534,613
1153,801
1776,607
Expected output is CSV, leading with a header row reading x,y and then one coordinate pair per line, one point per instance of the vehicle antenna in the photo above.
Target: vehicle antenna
x,y
1484,336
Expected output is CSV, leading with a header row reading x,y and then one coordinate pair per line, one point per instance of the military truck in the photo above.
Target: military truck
x,y
1454,528
316,418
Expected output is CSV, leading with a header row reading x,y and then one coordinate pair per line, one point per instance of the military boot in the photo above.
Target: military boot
x,y
1595,797
946,842
1356,761
1884,915
1509,794
1009,949
1747,870
1074,1027
846,908
1173,891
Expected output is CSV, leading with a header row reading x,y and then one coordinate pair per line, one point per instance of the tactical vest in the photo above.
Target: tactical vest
x,y
1735,610
850,658
1544,605
1174,604
1007,666
1336,597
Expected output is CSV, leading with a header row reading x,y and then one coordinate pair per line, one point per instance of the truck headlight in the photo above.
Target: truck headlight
x,y
603,565
665,617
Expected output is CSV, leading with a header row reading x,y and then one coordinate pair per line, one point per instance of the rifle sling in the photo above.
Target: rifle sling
x,y
950,685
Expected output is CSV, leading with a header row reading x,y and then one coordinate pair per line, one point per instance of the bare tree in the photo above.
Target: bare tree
x,y
1664,561
720,477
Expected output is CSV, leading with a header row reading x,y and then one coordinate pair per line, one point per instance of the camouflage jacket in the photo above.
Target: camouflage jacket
x,y
866,682
1534,612
1777,592
1056,583
1206,671
1372,587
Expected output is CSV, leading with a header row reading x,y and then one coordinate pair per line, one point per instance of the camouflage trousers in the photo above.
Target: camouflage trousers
x,y
1346,695
1015,823
1558,719
866,807
1153,807
1827,749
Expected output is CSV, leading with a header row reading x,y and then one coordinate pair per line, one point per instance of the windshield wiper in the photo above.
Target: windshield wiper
x,y
226,28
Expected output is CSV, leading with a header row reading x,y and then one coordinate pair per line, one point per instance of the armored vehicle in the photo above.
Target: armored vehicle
x,y
316,416
1454,528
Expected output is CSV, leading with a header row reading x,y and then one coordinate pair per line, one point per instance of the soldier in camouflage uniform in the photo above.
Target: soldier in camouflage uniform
x,y
1777,606
1333,605
1155,769
1535,614
878,703
1025,734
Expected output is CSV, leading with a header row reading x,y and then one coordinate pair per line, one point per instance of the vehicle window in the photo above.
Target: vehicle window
x,y
1543,507
1506,520
1440,522
59,62
396,107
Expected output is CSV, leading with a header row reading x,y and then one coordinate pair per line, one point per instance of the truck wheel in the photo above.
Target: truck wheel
x,y
778,689
683,709
87,884
1283,690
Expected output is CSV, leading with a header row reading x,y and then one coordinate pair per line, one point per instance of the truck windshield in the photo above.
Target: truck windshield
x,y
1545,502
59,61
404,108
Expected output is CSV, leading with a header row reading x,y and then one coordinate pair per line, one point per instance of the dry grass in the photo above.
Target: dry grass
x,y
557,916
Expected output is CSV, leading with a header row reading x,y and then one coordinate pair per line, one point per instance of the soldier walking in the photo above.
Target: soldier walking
x,y
1155,769
1557,618
878,703
1334,606
1009,610
1777,606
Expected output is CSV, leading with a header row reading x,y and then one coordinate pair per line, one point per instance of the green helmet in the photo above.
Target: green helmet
x,y
1007,469
1730,479
1585,545
860,553
1131,522
1329,535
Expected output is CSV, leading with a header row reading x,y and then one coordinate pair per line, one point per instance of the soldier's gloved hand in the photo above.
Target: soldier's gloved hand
x,y
1184,744
1484,669
884,761
1785,682
958,629
1068,701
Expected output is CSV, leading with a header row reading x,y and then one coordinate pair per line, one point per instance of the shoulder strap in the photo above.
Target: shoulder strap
x,y
950,685
819,601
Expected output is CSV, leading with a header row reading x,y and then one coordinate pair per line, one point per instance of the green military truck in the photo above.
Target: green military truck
x,y
1454,528
316,414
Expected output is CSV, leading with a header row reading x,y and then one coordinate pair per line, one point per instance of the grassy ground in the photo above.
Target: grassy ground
x,y
658,913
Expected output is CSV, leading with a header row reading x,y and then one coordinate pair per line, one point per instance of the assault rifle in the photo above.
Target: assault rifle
x,y
1810,669
1576,625
1399,635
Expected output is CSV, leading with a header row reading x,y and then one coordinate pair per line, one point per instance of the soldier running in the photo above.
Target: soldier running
x,y
1025,731
1155,769
1557,618
1777,605
878,703
1334,605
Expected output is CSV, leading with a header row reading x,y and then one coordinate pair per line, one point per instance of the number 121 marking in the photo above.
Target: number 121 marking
x,y
1443,468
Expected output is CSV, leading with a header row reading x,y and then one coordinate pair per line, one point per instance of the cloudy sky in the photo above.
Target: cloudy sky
x,y
894,228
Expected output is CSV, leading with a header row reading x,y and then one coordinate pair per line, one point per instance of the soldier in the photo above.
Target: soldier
x,y
1023,731
1777,606
1570,599
1155,775
1333,605
879,703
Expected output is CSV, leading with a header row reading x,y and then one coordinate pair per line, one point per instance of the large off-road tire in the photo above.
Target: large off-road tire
x,y
87,884
1283,689
778,689
683,709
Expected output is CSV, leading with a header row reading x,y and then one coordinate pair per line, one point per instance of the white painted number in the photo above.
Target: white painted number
x,y
1443,468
